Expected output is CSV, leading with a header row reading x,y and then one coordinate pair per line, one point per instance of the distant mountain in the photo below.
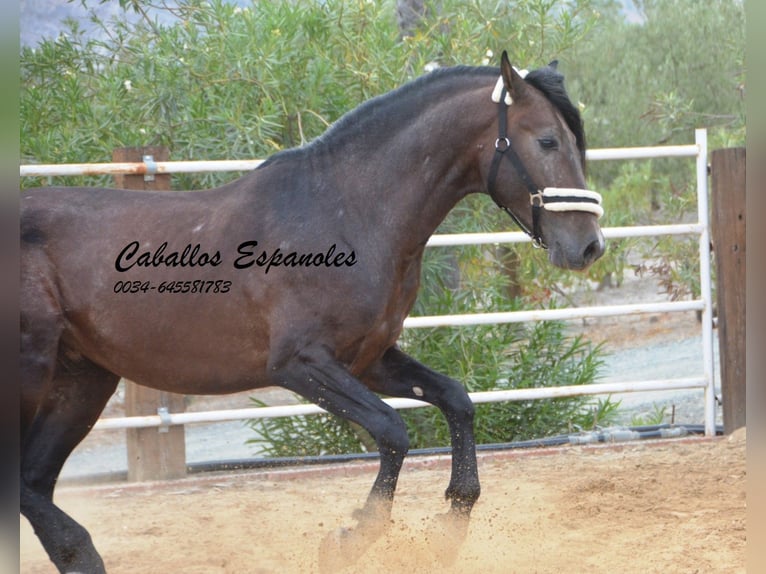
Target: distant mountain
x,y
40,19
631,13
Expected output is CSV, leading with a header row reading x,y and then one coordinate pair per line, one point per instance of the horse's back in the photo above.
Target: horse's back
x,y
50,214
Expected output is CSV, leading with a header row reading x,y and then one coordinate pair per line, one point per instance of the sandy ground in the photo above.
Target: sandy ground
x,y
649,507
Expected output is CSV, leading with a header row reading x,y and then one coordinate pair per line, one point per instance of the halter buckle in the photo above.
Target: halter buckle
x,y
536,199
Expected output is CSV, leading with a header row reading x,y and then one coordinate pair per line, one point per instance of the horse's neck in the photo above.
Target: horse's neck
x,y
403,185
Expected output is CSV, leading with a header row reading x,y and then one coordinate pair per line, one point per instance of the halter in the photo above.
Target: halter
x,y
550,198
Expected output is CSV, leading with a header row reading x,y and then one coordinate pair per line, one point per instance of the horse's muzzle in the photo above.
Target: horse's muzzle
x,y
577,258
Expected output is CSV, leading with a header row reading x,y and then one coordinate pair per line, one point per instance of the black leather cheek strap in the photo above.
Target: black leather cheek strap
x,y
503,149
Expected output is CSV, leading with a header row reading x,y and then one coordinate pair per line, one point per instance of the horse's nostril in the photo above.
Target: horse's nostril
x,y
593,251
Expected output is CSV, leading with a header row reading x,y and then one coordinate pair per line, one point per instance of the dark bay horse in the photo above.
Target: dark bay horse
x,y
299,274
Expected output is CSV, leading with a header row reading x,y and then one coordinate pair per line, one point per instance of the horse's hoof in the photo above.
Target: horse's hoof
x,y
446,534
331,557
345,546
341,548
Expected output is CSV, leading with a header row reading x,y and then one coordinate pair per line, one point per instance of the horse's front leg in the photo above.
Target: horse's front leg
x,y
399,375
316,375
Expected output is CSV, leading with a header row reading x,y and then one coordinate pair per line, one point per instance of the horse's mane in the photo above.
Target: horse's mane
x,y
425,87
547,80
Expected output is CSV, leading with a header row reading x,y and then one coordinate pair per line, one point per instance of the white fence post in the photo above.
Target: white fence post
x,y
700,138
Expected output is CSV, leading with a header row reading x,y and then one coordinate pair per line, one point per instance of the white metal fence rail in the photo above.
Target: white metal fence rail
x,y
705,381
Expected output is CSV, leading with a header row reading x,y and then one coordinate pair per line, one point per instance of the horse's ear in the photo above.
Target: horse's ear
x,y
553,64
514,83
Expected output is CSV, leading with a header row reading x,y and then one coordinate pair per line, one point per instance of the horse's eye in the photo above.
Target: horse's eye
x,y
548,143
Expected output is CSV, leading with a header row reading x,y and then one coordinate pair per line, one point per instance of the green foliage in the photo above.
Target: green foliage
x,y
312,435
656,417
496,357
218,81
646,193
536,356
653,82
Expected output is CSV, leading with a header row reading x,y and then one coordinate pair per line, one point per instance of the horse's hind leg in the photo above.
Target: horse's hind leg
x,y
71,403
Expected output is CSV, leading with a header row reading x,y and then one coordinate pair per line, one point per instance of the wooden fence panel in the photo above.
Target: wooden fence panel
x,y
728,227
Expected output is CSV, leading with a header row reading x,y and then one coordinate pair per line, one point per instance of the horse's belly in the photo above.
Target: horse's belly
x,y
189,375
178,355
198,377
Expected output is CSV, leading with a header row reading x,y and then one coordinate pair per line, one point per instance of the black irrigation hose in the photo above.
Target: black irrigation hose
x,y
601,436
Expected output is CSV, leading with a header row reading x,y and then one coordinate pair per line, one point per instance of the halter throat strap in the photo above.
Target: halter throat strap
x,y
552,198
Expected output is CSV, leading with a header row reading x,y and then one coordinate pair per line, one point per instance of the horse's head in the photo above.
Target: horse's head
x,y
537,172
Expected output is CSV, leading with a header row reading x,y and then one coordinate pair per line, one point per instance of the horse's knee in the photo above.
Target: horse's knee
x,y
391,436
457,405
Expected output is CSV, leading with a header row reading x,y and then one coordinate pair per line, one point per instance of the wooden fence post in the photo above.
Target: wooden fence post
x,y
153,454
728,202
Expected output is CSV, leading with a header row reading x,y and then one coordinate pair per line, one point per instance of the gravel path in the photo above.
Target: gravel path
x,y
664,360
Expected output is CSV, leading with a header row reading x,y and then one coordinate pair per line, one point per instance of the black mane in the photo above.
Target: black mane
x,y
428,86
389,109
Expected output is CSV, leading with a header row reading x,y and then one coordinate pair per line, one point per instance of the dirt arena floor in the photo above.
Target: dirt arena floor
x,y
649,507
